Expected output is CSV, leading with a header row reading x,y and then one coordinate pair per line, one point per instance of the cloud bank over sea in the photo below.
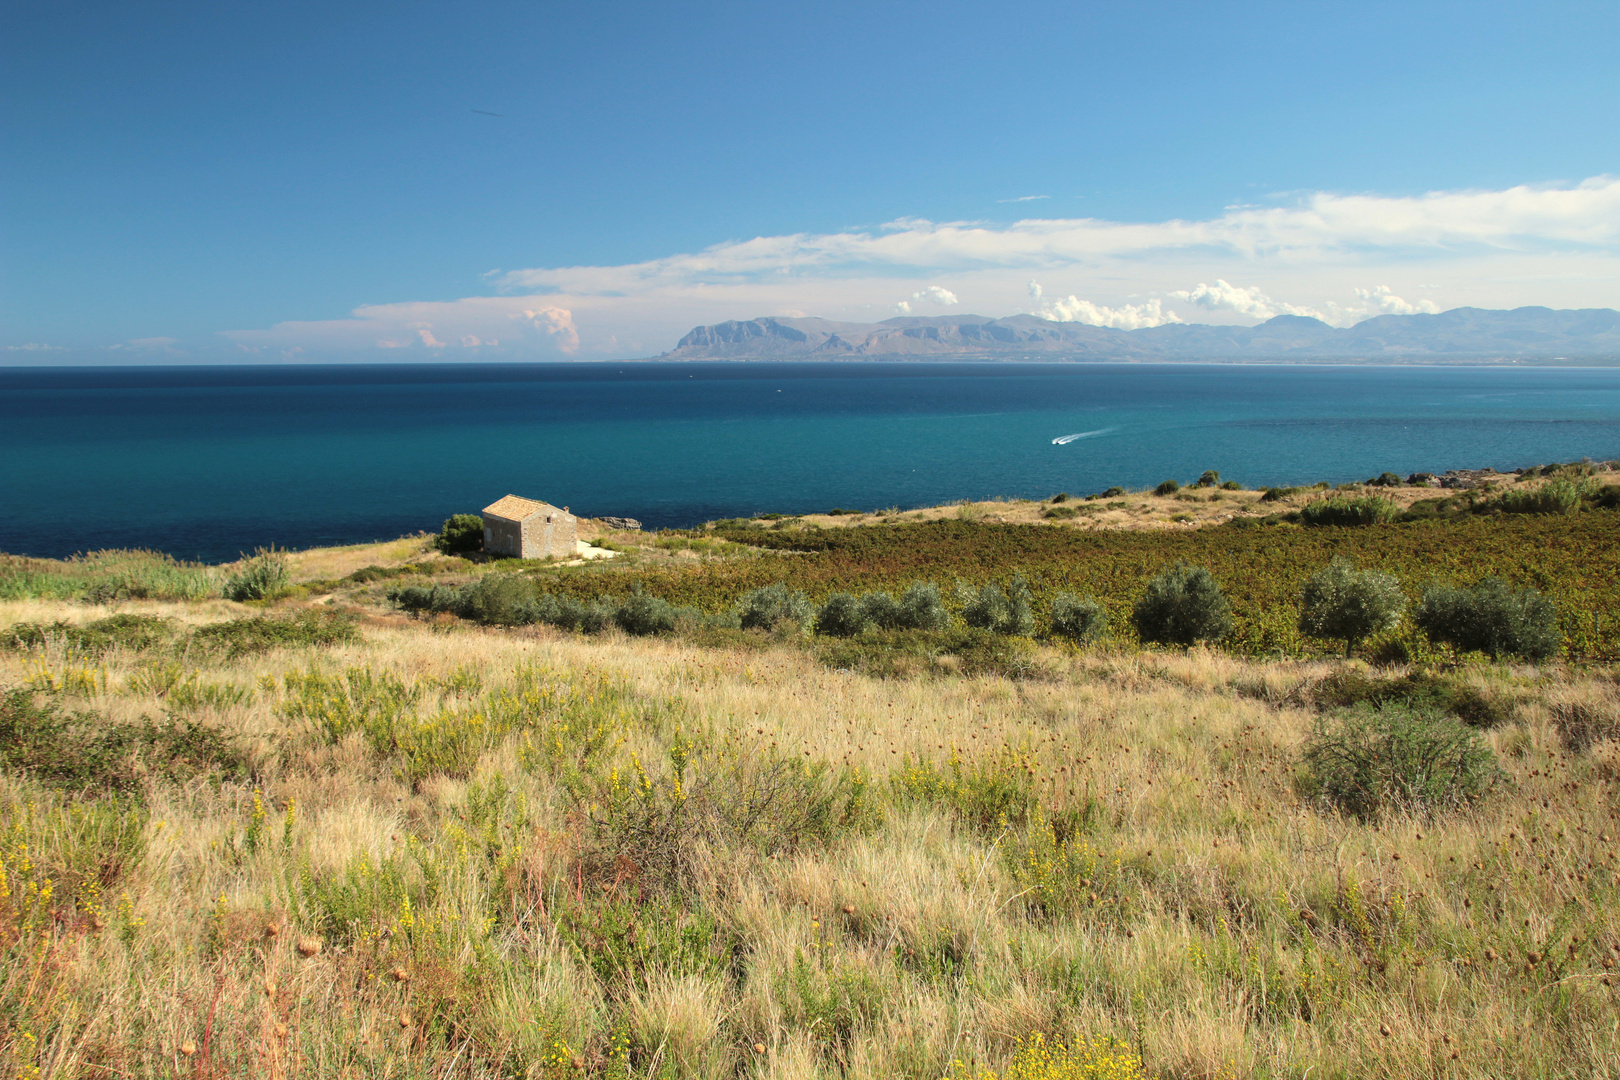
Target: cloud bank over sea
x,y
1338,257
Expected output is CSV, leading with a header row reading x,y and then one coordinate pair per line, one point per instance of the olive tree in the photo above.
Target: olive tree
x,y
1345,604
1183,605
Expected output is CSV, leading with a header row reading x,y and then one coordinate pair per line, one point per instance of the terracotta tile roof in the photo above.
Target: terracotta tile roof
x,y
517,508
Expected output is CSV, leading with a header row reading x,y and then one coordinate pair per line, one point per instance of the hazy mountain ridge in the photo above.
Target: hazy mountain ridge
x,y
1461,333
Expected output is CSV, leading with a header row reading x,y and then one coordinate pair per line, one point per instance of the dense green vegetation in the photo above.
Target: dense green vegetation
x,y
1574,560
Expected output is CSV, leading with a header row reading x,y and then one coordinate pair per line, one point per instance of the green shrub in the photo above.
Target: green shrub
x,y
85,751
460,535
900,654
499,600
1077,619
1349,510
1060,497
263,577
1277,494
1492,617
1167,487
921,608
842,615
257,634
1385,479
1231,485
1346,604
1210,478
1060,513
1421,690
989,608
644,615
134,632
768,607
1113,492
1183,605
1554,497
1369,761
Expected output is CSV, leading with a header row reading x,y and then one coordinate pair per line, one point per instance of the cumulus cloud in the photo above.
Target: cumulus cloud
x,y
936,295
1124,317
425,335
903,307
1384,302
1555,244
1250,302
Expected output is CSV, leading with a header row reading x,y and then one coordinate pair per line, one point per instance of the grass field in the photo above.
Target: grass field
x,y
314,837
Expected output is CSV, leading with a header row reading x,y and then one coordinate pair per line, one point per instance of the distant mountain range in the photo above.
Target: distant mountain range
x,y
1527,333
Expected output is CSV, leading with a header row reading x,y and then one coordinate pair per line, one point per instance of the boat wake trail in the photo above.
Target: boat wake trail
x,y
1065,440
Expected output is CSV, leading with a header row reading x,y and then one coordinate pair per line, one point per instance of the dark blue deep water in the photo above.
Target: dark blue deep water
x,y
209,462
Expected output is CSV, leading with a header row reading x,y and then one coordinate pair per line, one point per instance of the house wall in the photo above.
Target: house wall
x,y
503,537
556,537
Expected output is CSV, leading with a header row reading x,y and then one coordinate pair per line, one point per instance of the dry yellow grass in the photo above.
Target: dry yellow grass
x,y
458,922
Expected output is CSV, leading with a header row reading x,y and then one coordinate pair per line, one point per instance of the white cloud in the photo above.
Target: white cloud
x,y
35,346
1124,317
1024,198
903,307
1250,302
1384,302
1554,244
426,335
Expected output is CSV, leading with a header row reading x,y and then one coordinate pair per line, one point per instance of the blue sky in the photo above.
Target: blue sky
x,y
324,181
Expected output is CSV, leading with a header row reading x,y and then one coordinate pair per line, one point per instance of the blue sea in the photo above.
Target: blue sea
x,y
209,462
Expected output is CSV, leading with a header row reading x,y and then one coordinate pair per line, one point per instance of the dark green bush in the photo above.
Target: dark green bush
x,y
1385,479
1276,494
1346,604
1081,620
259,633
1167,487
499,600
1370,761
461,535
1060,497
1061,513
1420,690
1231,485
134,632
1209,478
1113,492
644,615
842,615
1554,497
1349,510
86,751
989,608
768,607
1492,617
1183,605
921,608
263,577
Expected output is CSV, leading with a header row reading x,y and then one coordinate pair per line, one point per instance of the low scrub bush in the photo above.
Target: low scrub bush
x,y
104,576
766,608
1277,494
85,751
644,615
263,577
1349,510
1420,690
990,795
1062,513
1080,620
1183,605
136,633
842,615
908,653
1167,487
1491,617
1003,612
1210,478
1553,497
1344,604
461,534
1394,758
258,634
1385,479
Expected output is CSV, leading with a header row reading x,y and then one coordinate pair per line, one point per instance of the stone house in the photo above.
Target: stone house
x,y
529,529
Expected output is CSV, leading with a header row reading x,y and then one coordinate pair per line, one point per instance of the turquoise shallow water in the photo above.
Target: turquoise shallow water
x,y
208,462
